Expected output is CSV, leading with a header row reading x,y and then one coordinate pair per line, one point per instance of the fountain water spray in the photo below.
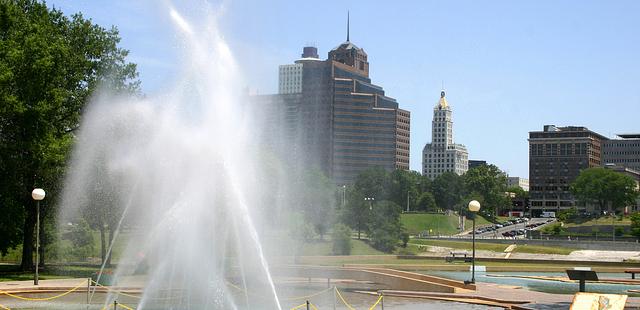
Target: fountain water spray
x,y
178,174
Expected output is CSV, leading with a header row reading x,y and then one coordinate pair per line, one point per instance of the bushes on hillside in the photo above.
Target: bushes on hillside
x,y
341,240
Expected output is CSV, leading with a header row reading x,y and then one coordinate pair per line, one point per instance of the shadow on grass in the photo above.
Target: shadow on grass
x,y
13,272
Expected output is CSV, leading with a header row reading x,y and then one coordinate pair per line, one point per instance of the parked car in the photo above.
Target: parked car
x,y
509,233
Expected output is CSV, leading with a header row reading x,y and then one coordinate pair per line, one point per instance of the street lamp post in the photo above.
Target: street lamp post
x,y
613,225
344,195
474,207
37,195
370,200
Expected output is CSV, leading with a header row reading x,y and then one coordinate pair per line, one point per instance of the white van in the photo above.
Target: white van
x,y
548,214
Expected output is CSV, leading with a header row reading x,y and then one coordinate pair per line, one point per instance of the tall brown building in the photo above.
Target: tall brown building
x,y
335,118
556,157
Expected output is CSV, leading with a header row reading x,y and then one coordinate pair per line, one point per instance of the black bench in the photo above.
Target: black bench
x,y
453,256
633,272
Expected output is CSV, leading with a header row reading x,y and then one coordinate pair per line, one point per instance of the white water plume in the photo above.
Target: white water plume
x,y
179,172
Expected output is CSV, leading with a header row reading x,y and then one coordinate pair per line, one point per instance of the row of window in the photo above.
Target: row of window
x,y
549,188
442,160
551,203
622,153
550,149
430,166
441,155
624,160
621,144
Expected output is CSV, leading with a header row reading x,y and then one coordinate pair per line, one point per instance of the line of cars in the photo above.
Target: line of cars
x,y
523,231
513,232
500,225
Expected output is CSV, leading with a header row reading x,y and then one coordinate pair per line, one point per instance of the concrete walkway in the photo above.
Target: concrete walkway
x,y
485,294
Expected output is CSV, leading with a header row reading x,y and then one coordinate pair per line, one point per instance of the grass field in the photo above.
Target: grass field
x,y
392,261
358,247
494,247
625,221
439,224
12,272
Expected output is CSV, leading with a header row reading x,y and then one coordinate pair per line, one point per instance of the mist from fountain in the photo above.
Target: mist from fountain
x,y
181,173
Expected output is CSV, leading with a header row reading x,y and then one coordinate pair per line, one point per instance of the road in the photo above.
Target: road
x,y
498,232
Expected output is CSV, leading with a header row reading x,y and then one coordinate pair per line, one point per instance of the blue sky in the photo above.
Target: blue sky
x,y
509,67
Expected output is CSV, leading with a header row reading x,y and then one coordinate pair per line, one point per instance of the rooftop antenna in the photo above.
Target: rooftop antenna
x,y
347,26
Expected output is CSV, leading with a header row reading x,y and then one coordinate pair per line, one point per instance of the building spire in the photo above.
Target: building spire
x,y
347,26
442,103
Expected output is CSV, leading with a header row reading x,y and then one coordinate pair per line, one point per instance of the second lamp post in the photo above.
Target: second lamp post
x,y
474,207
37,195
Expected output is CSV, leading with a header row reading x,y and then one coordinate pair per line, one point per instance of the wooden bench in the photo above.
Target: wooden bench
x,y
632,271
453,255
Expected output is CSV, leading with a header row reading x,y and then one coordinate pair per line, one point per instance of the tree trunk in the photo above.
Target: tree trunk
x,y
103,246
109,242
27,237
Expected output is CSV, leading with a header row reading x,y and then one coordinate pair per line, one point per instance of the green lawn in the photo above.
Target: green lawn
x,y
12,272
439,224
358,247
495,247
605,220
437,263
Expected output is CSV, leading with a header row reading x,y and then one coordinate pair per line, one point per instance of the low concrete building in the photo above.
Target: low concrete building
x,y
623,152
519,182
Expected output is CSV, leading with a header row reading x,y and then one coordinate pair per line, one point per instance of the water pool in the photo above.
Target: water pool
x,y
547,286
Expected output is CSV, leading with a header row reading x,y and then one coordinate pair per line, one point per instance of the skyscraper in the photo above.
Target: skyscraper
x,y
335,118
442,155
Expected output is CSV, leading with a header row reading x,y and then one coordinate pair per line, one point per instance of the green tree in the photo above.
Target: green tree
x,y
426,202
518,192
50,65
404,237
384,229
635,224
81,238
374,183
491,184
317,201
605,188
448,189
355,212
405,184
341,237
566,215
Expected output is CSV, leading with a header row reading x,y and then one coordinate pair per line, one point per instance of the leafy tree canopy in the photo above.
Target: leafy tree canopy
x,y
50,65
385,229
605,187
448,189
490,183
